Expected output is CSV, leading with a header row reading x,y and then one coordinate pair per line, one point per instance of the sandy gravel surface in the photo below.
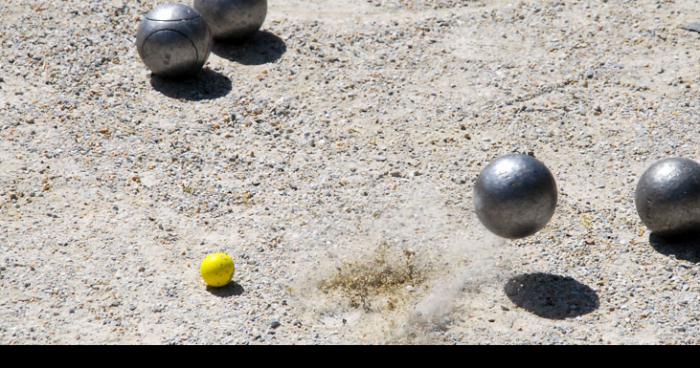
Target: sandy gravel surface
x,y
333,157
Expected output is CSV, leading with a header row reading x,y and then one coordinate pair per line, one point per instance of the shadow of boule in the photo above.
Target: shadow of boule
x,y
551,296
207,85
684,246
263,47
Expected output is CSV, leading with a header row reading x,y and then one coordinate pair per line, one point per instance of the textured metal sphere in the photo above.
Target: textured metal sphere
x,y
668,196
232,19
173,40
515,196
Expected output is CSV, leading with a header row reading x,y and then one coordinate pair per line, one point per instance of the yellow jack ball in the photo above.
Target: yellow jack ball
x,y
217,269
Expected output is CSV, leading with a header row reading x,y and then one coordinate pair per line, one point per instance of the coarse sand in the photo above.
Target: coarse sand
x,y
333,157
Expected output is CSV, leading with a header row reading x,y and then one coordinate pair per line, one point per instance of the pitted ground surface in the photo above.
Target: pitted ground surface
x,y
346,129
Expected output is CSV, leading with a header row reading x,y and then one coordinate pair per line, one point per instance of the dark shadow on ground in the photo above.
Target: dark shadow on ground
x,y
262,48
685,247
207,85
551,296
232,289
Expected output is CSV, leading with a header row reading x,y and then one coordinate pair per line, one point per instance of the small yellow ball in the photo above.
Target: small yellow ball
x,y
217,269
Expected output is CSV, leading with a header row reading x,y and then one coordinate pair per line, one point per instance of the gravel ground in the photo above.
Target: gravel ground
x,y
333,157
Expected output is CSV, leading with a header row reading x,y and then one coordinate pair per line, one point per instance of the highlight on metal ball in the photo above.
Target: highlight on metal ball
x,y
173,40
232,19
667,197
515,196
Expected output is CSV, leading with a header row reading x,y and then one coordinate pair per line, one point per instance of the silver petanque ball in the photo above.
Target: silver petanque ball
x,y
173,40
515,196
668,197
232,19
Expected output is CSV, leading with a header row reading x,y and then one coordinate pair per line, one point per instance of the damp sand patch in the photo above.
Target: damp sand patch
x,y
381,282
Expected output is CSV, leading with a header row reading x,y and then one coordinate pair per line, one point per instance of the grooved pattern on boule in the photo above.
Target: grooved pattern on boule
x,y
173,40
